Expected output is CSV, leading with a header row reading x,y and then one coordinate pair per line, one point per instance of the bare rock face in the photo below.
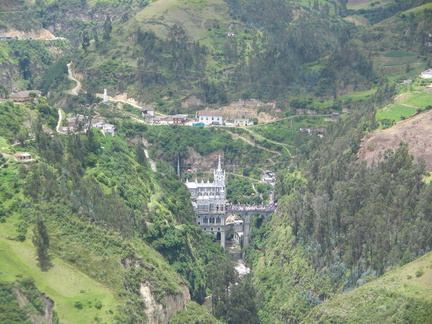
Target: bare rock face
x,y
158,313
206,163
251,108
414,131
33,34
191,102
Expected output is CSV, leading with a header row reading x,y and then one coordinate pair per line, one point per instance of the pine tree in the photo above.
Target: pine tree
x,y
107,28
41,242
85,41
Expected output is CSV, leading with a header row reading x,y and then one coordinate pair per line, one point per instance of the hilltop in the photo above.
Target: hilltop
x,y
400,296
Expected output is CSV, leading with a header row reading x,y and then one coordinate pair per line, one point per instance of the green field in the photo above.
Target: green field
x,y
395,112
399,54
422,99
62,282
193,15
366,4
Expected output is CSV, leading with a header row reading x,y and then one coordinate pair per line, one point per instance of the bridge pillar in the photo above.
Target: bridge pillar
x,y
222,242
246,223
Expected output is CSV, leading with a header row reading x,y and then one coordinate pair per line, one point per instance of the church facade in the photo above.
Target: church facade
x,y
209,202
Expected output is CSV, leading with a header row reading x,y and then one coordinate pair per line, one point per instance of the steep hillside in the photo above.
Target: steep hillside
x,y
400,296
401,45
92,212
25,62
414,131
339,223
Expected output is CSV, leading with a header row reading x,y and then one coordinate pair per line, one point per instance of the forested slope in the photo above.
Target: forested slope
x,y
92,204
402,295
341,225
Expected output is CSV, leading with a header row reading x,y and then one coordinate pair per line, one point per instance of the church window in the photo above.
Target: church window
x,y
205,220
199,223
218,220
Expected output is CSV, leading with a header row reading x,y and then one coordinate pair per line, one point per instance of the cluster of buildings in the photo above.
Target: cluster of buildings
x,y
204,118
81,122
211,210
269,177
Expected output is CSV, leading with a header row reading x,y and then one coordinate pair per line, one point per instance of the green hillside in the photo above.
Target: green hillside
x,y
100,229
112,225
400,296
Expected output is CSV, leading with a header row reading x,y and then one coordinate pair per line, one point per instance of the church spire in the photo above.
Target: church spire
x,y
219,175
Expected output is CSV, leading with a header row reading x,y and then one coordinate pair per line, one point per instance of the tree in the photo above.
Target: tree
x,y
241,306
224,277
41,242
140,155
96,38
107,28
85,41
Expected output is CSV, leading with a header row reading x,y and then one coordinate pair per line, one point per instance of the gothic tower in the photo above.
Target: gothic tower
x,y
219,176
209,202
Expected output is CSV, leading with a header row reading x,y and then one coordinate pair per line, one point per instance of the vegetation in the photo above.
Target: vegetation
x,y
346,226
394,296
90,224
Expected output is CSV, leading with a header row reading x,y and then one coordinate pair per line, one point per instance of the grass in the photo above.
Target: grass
x,y
395,112
420,8
62,282
359,95
3,143
366,4
427,179
399,54
403,295
193,16
284,131
422,99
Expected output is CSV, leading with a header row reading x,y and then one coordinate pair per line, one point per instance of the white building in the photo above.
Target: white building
x,y
211,118
209,201
241,121
148,112
426,74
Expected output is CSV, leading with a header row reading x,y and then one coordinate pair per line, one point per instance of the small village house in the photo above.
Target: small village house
x,y
335,116
426,74
22,156
148,112
180,119
211,118
241,121
24,96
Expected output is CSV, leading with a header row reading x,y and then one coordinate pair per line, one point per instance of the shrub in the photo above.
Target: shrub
x,y
98,304
419,273
78,305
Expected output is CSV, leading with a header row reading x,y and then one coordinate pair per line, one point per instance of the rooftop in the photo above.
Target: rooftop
x,y
24,94
210,113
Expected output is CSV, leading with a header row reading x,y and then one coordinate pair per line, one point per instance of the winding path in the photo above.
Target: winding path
x,y
59,122
75,90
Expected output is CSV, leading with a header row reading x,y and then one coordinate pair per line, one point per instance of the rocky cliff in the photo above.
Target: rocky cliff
x,y
160,312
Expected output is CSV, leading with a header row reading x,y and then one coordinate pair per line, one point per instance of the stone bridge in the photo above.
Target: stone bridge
x,y
246,212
